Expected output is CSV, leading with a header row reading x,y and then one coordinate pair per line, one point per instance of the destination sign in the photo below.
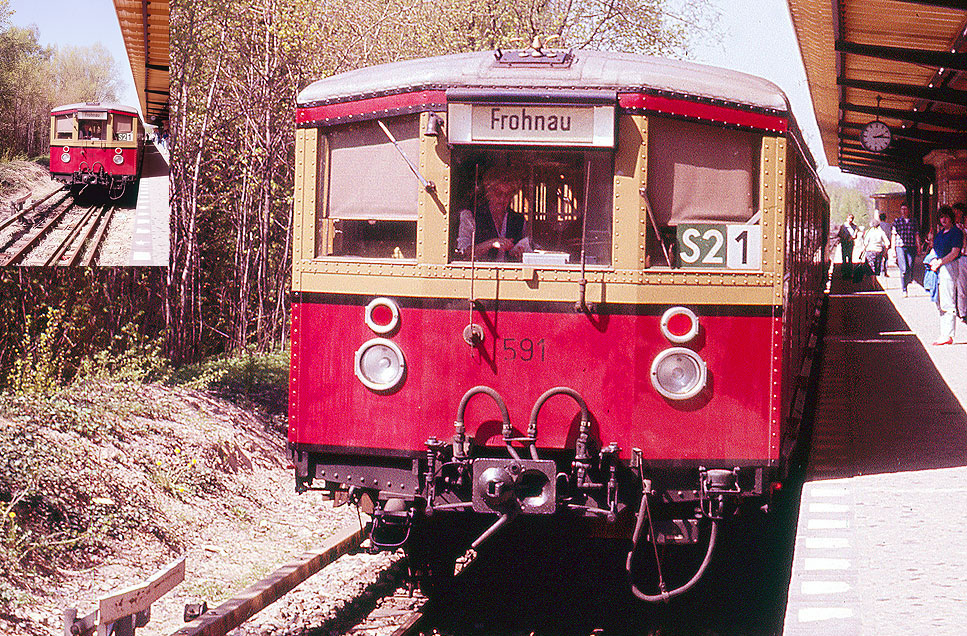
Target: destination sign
x,y
89,114
564,125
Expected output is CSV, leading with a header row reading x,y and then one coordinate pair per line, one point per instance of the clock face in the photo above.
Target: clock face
x,y
876,136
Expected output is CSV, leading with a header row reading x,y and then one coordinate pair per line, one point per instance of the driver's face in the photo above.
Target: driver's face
x,y
506,187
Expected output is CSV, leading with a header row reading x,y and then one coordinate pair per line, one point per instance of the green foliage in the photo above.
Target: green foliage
x,y
38,369
44,509
59,325
249,378
180,476
24,84
845,200
131,357
85,74
35,78
58,506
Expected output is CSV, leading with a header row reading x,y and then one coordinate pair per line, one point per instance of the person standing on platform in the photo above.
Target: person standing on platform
x,y
875,243
847,238
888,232
960,218
906,244
947,244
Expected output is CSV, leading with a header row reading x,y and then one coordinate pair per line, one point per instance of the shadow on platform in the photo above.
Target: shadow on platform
x,y
882,405
154,164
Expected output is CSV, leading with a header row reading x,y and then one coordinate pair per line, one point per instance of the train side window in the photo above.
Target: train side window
x,y
124,127
367,206
698,174
548,204
64,126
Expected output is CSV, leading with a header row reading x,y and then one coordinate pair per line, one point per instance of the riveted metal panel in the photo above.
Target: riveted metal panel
x,y
630,163
507,284
298,202
311,192
771,202
433,224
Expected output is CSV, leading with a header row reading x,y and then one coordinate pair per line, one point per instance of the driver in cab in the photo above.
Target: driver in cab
x,y
495,231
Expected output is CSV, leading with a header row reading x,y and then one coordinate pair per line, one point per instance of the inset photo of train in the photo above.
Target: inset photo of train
x,y
86,182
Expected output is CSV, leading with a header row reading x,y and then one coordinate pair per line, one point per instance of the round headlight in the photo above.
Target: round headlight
x,y
380,364
119,159
66,158
678,373
382,315
679,324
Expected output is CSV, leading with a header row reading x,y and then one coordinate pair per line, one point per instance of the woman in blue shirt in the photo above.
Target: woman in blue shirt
x,y
947,244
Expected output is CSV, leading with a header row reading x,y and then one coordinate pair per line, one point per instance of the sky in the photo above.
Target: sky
x,y
84,23
759,39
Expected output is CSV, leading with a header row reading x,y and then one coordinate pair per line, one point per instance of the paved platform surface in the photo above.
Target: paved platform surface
x,y
881,545
150,244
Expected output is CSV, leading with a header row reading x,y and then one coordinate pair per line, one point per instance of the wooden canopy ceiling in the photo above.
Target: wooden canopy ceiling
x,y
144,27
903,62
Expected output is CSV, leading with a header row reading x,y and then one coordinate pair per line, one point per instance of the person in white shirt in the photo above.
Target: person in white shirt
x,y
876,244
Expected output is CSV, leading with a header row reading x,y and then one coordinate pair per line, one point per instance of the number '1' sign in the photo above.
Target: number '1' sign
x,y
719,246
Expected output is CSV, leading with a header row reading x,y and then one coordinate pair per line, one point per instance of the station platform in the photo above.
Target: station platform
x,y
150,244
881,543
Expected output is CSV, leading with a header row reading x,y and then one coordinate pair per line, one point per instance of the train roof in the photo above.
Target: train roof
x,y
587,69
96,106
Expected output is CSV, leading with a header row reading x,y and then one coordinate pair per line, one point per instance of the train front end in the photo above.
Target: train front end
x,y
95,144
618,347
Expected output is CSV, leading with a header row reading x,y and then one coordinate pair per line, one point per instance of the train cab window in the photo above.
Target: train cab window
x,y
535,207
368,205
124,127
702,180
64,126
92,130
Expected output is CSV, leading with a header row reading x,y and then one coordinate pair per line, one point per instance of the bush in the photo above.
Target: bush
x,y
250,378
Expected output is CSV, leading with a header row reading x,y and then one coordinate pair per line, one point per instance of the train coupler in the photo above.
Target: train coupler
x,y
391,526
514,485
715,488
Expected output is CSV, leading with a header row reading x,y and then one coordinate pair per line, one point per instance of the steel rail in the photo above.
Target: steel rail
x,y
98,238
235,611
73,232
17,255
416,623
19,215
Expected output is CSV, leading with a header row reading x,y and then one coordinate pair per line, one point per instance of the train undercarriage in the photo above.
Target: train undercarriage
x,y
442,507
114,185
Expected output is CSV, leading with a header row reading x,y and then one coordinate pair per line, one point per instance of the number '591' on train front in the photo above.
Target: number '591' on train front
x,y
550,284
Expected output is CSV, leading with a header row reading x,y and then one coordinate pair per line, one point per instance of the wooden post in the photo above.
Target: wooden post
x,y
137,599
123,612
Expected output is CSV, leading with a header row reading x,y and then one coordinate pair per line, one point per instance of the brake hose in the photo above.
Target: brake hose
x,y
644,511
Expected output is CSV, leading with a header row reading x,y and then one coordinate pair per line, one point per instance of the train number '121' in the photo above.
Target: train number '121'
x,y
719,246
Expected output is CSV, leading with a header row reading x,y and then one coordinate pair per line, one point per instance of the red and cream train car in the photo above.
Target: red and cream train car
x,y
96,144
625,344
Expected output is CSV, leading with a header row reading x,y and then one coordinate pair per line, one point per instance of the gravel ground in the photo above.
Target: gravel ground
x,y
231,539
116,249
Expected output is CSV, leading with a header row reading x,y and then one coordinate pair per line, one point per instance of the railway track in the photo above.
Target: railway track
x,y
54,231
518,587
386,607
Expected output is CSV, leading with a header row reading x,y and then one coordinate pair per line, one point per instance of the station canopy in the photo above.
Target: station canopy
x,y
144,27
903,62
